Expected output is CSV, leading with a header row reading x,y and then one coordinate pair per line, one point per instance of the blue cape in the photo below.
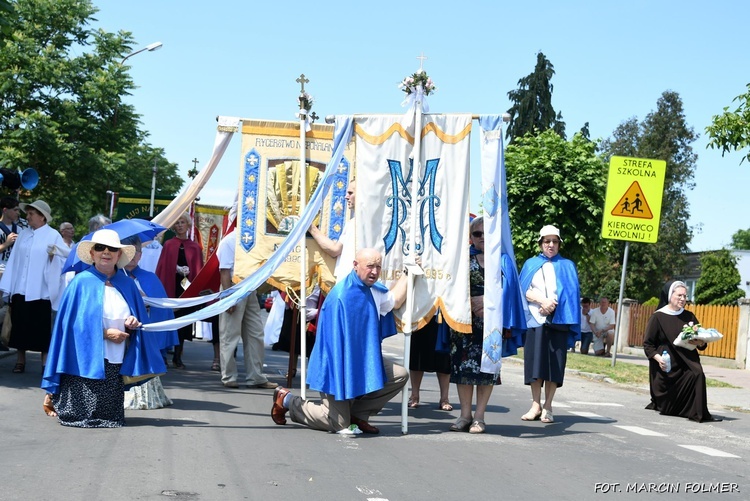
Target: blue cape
x,y
77,344
568,311
347,361
153,287
514,316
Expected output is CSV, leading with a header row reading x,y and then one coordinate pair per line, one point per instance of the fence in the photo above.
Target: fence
x,y
724,319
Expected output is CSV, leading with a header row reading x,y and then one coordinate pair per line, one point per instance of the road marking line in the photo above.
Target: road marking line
x,y
709,451
562,406
641,431
589,415
604,404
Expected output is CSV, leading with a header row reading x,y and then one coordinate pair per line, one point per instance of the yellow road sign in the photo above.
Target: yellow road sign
x,y
633,204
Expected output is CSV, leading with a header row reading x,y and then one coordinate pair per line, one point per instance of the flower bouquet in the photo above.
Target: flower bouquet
x,y
410,83
693,330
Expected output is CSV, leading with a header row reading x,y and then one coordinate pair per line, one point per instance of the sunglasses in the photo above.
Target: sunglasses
x,y
477,234
101,247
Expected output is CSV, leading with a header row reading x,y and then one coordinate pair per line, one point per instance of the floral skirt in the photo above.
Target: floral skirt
x,y
466,360
91,403
149,395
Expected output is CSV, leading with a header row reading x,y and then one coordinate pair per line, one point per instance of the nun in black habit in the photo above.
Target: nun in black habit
x,y
682,390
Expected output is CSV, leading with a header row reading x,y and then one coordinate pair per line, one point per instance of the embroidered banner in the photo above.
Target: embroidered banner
x,y
270,191
209,220
385,166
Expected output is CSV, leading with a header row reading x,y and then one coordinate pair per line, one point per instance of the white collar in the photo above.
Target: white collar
x,y
669,311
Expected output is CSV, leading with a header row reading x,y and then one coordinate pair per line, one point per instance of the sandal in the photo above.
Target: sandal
x,y
547,416
48,407
445,406
413,402
461,424
477,427
215,366
531,415
19,368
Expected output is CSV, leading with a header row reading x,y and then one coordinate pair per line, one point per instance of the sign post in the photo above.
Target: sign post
x,y
632,210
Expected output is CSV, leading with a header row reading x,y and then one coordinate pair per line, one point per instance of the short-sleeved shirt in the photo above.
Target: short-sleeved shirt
x,y
225,252
585,327
599,320
345,260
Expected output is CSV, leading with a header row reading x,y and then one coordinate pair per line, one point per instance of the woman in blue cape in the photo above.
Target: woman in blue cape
x,y
550,283
150,395
95,342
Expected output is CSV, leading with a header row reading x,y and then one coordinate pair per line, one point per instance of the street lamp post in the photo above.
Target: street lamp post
x,y
151,47
153,191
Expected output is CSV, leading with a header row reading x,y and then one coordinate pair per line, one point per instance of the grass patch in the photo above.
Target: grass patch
x,y
622,372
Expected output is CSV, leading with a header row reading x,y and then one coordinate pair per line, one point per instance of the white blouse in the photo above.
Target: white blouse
x,y
116,310
544,281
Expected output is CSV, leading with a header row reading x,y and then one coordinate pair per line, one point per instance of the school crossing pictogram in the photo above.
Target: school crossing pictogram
x,y
633,204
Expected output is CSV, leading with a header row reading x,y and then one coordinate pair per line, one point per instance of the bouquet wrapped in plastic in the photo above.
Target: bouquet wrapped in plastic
x,y
692,331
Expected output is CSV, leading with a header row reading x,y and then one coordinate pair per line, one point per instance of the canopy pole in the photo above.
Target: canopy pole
x,y
303,241
409,313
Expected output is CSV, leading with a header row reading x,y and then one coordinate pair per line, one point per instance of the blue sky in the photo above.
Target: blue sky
x,y
612,60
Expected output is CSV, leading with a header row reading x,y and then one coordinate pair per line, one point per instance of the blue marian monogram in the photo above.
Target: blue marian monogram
x,y
401,200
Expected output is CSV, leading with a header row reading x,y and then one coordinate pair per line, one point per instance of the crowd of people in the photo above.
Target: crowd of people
x,y
96,362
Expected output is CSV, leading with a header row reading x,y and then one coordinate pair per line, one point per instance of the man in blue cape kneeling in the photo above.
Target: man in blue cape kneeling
x,y
346,364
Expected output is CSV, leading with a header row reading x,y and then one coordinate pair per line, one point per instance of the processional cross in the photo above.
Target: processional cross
x,y
302,81
421,58
194,171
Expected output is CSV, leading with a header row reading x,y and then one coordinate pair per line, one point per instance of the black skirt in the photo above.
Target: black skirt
x,y
545,355
423,356
31,324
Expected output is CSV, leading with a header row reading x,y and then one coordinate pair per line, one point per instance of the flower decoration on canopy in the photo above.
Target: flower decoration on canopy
x,y
690,330
305,101
409,84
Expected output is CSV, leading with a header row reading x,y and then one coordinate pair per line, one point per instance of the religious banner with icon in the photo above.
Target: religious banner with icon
x,y
209,223
385,201
270,192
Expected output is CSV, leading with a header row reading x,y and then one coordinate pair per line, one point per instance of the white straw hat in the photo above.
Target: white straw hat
x,y
548,230
110,238
41,206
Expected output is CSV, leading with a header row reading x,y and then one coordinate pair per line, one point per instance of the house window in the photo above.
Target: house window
x,y
691,289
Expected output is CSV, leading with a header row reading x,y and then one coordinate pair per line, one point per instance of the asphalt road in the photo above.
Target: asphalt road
x,y
215,443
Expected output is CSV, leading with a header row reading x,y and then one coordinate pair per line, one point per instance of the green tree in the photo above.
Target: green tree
x,y
719,281
7,12
664,135
741,240
532,111
61,110
730,131
553,181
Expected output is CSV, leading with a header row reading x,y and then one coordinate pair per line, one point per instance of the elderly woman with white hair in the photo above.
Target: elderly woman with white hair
x,y
96,345
682,390
32,280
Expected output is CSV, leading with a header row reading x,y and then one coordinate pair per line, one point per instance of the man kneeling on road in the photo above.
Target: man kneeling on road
x,y
346,364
